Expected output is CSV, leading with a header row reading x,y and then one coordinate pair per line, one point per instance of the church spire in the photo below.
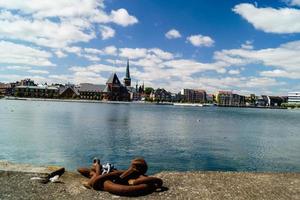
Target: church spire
x,y
127,70
127,79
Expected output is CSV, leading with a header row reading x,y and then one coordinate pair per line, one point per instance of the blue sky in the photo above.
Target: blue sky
x,y
244,46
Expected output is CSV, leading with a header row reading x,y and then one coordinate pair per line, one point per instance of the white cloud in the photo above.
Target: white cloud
x,y
110,50
285,59
200,40
41,32
270,20
61,8
60,54
133,53
58,24
161,54
11,53
74,49
247,45
153,53
98,68
93,51
34,71
121,17
286,56
280,74
173,34
234,72
18,68
107,32
92,58
293,2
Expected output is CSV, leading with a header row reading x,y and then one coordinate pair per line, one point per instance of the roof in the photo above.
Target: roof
x,y
113,79
88,87
38,87
106,89
64,88
225,92
131,89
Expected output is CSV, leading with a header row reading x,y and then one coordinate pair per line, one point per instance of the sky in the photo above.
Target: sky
x,y
243,46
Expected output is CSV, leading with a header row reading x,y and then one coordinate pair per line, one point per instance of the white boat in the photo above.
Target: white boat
x,y
189,104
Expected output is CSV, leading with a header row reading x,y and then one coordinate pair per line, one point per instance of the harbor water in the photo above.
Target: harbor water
x,y
170,138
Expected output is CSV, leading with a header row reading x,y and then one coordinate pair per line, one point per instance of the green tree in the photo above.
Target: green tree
x,y
148,90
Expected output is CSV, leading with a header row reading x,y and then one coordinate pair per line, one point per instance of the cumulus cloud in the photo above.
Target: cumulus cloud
x,y
200,40
293,2
285,59
270,20
107,32
173,34
234,72
35,71
21,68
60,54
247,45
121,17
133,53
110,50
58,24
41,32
281,74
12,53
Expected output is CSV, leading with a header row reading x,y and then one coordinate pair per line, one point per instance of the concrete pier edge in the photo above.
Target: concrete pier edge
x,y
16,183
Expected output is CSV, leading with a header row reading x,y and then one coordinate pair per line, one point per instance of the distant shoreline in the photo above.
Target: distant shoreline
x,y
134,102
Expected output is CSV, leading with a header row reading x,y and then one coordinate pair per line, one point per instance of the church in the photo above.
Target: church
x,y
115,90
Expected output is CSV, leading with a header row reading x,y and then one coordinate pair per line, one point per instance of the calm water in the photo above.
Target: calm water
x,y
170,138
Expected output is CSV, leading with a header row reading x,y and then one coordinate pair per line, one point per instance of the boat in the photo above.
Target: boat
x,y
189,104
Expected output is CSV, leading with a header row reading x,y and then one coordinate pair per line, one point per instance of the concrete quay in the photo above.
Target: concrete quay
x,y
16,183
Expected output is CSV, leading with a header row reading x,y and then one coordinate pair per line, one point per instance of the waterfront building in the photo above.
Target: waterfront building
x,y
193,96
26,82
294,97
276,101
68,91
114,90
270,101
41,91
228,98
5,89
262,101
209,98
160,95
90,91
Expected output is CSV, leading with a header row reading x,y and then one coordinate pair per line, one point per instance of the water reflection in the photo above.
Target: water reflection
x,y
170,138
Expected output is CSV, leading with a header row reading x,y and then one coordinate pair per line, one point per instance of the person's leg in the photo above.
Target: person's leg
x,y
86,172
93,174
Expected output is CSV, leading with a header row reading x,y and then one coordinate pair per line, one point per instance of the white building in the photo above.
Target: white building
x,y
294,97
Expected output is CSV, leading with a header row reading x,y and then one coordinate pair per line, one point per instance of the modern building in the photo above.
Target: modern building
x,y
41,91
193,96
228,98
294,97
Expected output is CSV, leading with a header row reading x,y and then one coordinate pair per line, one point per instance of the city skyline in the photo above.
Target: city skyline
x,y
249,46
